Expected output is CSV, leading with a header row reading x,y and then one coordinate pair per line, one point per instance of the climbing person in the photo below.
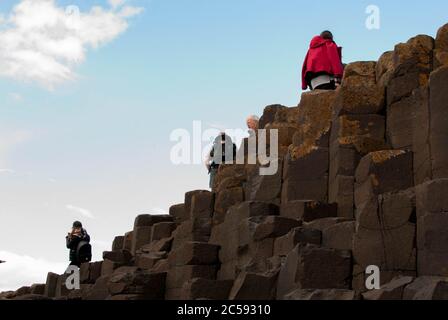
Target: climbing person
x,y
322,68
78,241
223,151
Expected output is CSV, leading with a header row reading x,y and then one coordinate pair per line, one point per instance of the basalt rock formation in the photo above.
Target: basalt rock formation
x,y
362,181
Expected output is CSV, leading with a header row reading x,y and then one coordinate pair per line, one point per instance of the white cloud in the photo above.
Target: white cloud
x,y
9,140
98,247
42,43
129,11
216,125
83,212
158,211
16,97
22,270
10,171
116,3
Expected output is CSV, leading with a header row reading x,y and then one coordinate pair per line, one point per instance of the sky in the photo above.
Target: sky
x,y
90,92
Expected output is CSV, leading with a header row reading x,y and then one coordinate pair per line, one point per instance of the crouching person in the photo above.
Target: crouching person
x,y
323,68
78,241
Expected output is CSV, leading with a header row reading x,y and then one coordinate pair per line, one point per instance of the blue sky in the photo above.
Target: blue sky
x,y
101,142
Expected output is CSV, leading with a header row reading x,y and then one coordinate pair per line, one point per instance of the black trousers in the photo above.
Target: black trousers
x,y
213,172
74,263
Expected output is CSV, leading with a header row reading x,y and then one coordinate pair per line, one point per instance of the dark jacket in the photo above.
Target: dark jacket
x,y
72,244
223,150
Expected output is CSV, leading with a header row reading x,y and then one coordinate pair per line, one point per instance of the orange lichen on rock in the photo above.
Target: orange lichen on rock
x,y
382,156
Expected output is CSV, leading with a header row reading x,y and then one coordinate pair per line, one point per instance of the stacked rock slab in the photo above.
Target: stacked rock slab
x,y
441,48
313,267
193,261
190,261
235,237
305,171
385,215
144,226
432,224
357,129
196,226
229,189
362,181
283,122
286,125
412,65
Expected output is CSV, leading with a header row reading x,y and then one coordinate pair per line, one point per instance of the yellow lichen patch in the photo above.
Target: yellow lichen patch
x,y
301,151
364,144
349,127
305,127
315,108
382,156
314,119
423,79
309,144
349,140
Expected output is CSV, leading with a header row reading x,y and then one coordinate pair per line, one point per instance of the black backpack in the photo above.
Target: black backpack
x,y
84,252
220,150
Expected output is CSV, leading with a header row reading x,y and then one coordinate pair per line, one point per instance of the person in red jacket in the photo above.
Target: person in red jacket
x,y
323,68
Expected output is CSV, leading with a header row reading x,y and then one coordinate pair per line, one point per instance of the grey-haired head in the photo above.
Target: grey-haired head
x,y
253,122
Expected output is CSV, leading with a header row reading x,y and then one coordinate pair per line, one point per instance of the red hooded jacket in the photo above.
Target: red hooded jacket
x,y
323,56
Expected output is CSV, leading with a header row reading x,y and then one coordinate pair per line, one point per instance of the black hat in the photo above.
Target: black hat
x,y
77,224
327,35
